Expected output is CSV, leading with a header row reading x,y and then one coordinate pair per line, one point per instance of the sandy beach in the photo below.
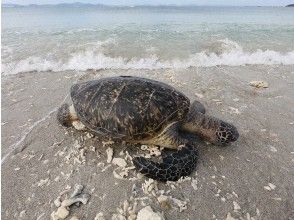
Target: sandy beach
x,y
250,179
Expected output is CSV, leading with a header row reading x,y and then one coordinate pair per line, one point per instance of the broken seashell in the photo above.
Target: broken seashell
x,y
119,162
61,213
109,152
78,125
147,213
83,198
259,84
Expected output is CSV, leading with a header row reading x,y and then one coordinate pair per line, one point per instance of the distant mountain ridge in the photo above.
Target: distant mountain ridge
x,y
76,4
291,5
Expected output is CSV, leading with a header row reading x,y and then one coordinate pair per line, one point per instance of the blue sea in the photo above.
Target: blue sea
x,y
81,37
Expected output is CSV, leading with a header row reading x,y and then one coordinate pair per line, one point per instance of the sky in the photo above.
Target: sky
x,y
157,2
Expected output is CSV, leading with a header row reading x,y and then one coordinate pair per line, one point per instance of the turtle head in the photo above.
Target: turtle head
x,y
226,133
64,116
210,128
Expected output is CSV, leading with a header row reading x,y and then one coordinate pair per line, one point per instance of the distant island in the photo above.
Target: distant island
x,y
291,5
76,4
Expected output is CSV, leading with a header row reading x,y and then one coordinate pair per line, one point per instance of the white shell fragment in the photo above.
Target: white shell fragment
x,y
119,162
118,217
229,217
109,152
43,182
57,202
99,216
164,201
184,179
121,175
199,95
109,142
149,186
61,213
270,187
126,211
194,184
233,110
73,112
22,213
273,149
78,125
147,213
259,84
181,204
236,206
154,151
144,147
162,198
89,135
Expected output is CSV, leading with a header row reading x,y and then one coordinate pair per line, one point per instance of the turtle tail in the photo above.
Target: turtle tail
x,y
63,115
176,164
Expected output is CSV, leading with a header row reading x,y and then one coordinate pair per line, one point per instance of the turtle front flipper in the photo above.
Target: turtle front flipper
x,y
176,164
170,137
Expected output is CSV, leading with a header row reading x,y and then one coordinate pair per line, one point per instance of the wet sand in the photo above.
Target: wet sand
x,y
250,179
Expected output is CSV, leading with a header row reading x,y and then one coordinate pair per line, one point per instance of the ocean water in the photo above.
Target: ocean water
x,y
59,38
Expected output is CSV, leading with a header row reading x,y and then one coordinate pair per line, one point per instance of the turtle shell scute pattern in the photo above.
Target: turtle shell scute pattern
x,y
129,108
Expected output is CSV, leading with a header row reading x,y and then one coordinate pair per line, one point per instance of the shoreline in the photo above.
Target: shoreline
x,y
255,172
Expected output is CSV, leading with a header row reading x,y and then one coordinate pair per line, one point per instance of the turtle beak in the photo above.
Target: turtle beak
x,y
235,135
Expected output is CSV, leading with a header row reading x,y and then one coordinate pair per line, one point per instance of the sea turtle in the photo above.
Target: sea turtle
x,y
145,111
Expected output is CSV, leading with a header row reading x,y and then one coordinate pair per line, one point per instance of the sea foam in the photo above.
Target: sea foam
x,y
232,54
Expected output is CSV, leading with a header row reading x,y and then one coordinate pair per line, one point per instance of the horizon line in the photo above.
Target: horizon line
x,y
139,5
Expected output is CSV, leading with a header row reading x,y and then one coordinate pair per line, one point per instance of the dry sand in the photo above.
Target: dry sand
x,y
250,179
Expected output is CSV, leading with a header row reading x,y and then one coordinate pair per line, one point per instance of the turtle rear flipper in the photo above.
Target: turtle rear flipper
x,y
63,115
175,164
66,115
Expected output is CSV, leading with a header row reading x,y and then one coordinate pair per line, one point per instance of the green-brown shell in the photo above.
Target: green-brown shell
x,y
129,108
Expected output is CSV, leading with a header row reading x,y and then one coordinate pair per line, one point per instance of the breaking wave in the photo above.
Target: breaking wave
x,y
231,54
